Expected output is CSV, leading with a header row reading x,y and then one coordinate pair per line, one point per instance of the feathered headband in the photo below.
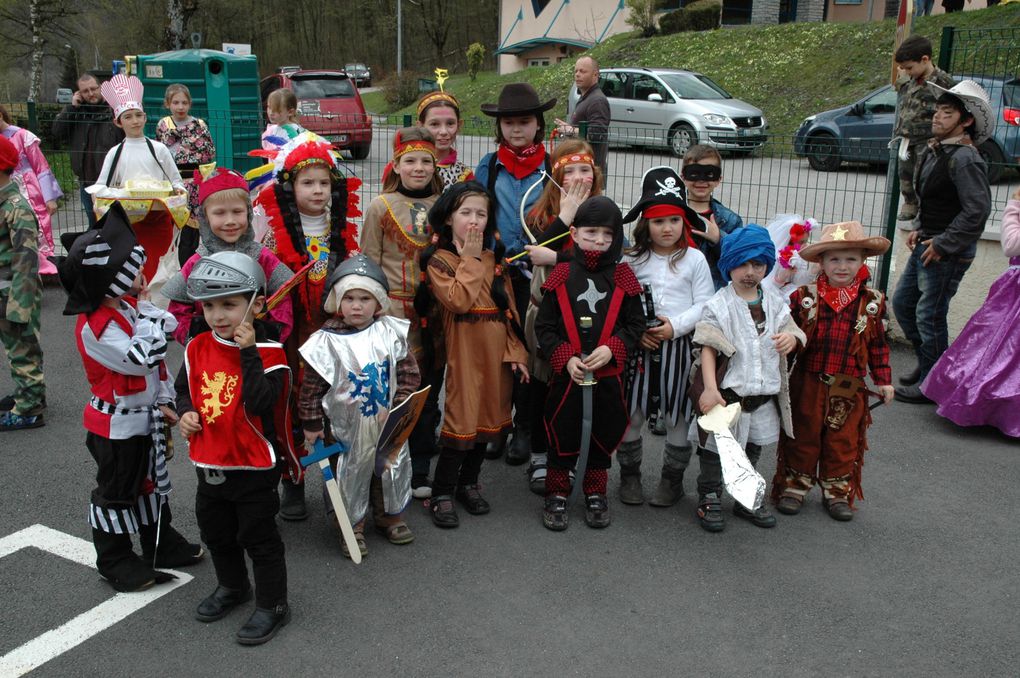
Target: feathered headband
x,y
123,93
401,147
435,97
574,159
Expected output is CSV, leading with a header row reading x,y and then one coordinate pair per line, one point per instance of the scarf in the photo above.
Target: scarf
x,y
523,162
451,159
839,298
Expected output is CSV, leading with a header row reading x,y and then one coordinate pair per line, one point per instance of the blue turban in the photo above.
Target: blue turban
x,y
750,243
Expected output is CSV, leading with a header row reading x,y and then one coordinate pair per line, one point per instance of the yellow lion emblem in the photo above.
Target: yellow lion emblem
x,y
220,394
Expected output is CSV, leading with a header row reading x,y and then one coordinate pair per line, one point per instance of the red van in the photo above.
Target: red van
x,y
330,106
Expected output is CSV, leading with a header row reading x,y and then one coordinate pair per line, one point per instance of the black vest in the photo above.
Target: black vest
x,y
940,202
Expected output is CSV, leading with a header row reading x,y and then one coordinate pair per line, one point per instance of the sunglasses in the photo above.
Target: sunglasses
x,y
698,172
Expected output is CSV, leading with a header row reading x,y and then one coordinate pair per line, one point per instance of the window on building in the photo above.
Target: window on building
x,y
787,11
736,12
541,61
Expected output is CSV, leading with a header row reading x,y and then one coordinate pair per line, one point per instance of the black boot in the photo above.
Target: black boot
x,y
220,602
173,551
292,501
118,564
519,450
263,624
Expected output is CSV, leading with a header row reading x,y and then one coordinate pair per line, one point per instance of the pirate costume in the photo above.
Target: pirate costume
x,y
741,331
675,288
241,396
355,377
122,343
590,301
845,337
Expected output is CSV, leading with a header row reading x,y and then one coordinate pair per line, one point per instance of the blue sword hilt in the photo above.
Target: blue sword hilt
x,y
320,452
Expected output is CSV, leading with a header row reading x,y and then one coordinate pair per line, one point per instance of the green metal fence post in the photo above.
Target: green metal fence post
x,y
408,120
33,121
583,130
892,192
946,48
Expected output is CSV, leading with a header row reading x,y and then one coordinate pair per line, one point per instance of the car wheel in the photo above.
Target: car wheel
x,y
995,158
822,153
681,138
360,151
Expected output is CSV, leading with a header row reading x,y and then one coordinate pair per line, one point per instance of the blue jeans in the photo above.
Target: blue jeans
x,y
923,7
921,302
86,205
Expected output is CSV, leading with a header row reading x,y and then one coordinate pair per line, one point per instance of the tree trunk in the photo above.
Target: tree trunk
x,y
38,46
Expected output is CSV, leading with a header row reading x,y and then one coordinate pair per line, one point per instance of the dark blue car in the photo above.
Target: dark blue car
x,y
861,131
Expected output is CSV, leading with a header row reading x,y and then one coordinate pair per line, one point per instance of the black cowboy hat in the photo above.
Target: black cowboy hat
x,y
663,186
517,98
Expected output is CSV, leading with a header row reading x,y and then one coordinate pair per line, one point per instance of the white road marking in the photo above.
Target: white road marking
x,y
55,642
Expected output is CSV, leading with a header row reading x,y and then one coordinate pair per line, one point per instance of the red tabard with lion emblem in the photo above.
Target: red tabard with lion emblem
x,y
230,439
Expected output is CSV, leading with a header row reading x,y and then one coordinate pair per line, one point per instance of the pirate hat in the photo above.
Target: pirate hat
x,y
517,98
975,100
663,186
101,263
846,235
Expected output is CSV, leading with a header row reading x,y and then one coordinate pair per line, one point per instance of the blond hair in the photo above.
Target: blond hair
x,y
228,195
283,101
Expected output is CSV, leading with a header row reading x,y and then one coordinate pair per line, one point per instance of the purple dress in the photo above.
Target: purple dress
x,y
977,380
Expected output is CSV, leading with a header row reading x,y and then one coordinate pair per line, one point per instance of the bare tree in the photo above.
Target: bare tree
x,y
30,26
436,19
178,14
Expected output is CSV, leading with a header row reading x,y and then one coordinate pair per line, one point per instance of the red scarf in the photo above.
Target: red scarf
x,y
451,159
839,298
521,163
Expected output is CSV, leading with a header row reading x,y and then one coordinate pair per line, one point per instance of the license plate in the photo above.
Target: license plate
x,y
339,138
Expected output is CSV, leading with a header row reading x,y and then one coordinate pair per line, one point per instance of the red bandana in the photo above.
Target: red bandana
x,y
839,298
521,163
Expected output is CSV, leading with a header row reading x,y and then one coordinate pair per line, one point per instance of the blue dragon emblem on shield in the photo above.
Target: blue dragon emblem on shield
x,y
371,387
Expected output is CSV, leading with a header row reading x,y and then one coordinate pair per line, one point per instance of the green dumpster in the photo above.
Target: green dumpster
x,y
224,92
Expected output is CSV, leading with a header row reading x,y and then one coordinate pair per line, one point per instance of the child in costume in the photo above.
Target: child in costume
x,y
232,397
843,320
750,326
589,321
977,380
20,300
395,232
308,207
676,275
35,179
224,216
358,367
508,173
191,145
439,113
484,343
281,111
123,343
138,158
575,178
702,174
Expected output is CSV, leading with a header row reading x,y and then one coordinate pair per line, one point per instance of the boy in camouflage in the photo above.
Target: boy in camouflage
x,y
915,105
20,301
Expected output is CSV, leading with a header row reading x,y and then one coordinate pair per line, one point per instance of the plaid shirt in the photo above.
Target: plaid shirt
x,y
829,350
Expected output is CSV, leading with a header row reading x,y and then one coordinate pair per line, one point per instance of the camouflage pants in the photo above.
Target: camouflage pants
x,y
25,356
906,172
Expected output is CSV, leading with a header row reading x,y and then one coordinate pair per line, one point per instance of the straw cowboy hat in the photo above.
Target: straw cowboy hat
x,y
846,235
517,98
975,101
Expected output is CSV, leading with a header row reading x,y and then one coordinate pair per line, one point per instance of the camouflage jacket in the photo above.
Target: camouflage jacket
x,y
915,105
20,286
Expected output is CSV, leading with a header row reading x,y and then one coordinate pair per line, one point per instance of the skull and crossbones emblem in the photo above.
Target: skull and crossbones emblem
x,y
668,187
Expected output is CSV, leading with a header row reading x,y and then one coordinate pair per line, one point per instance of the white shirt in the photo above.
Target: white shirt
x,y
315,226
680,292
136,162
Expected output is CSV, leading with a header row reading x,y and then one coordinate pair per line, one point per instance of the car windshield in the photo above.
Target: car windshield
x,y
322,87
354,67
694,86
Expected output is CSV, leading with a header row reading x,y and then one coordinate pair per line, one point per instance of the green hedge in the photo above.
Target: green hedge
x,y
703,15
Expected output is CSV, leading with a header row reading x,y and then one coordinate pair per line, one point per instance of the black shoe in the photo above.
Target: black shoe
x,y
519,450
710,513
495,450
912,378
761,516
912,394
839,509
263,625
554,516
7,403
292,501
659,427
220,602
444,513
472,500
789,504
596,512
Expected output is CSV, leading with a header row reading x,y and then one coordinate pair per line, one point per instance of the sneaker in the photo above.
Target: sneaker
x,y
16,422
444,513
761,516
839,509
554,516
472,499
710,513
537,471
789,504
596,512
420,487
907,212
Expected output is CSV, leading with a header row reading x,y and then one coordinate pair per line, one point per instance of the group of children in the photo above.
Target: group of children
x,y
572,342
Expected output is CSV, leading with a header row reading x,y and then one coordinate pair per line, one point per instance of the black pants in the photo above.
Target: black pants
x,y
238,516
538,391
122,465
187,244
422,441
457,468
523,403
710,469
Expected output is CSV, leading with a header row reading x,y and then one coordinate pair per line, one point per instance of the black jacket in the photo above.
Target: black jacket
x,y
91,133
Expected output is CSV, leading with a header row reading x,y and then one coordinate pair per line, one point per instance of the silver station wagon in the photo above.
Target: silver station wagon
x,y
673,108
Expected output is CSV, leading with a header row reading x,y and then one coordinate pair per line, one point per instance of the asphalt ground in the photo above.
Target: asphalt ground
x,y
921,583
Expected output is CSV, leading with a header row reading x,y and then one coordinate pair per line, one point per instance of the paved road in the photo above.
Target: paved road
x,y
922,583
